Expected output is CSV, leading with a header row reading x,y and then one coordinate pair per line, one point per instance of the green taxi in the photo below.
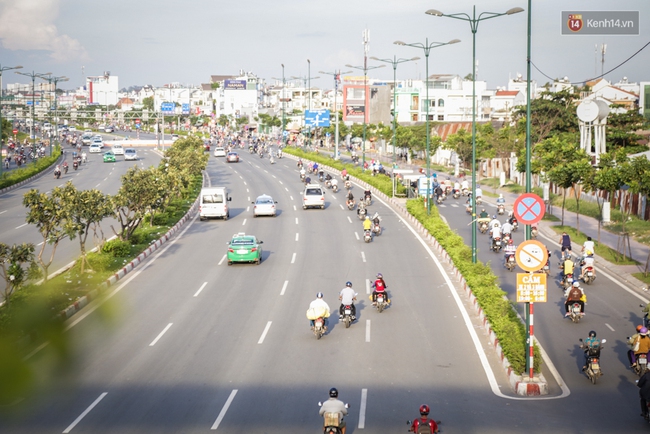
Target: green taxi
x,y
244,248
109,157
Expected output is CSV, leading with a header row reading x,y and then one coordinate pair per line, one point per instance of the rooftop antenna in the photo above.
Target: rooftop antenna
x,y
603,48
366,47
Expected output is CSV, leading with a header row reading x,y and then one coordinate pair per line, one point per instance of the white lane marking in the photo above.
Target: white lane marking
x,y
248,191
363,256
367,330
222,259
24,224
297,236
286,189
82,415
200,289
290,197
293,258
161,334
341,206
106,178
40,244
240,177
248,199
234,169
223,411
294,208
280,182
357,235
98,185
2,212
610,327
296,220
244,222
349,219
266,171
367,286
362,408
266,330
284,287
248,208
245,183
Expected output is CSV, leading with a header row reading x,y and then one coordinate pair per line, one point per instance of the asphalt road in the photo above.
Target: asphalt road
x,y
196,345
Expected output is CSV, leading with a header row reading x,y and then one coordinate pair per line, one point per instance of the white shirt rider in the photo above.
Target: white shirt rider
x,y
589,262
506,228
302,171
465,185
319,302
479,192
496,232
493,223
588,246
347,295
334,182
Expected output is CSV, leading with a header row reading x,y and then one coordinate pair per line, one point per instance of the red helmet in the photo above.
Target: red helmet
x,y
511,241
424,410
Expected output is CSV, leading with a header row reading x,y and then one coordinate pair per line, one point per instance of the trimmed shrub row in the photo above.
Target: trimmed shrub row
x,y
30,169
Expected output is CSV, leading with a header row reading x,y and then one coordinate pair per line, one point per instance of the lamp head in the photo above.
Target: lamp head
x,y
399,43
514,11
373,58
414,58
454,41
434,12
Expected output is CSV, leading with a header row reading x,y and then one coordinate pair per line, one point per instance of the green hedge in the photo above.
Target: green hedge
x,y
498,310
30,169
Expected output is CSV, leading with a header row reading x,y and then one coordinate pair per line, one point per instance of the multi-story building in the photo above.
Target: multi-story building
x,y
102,89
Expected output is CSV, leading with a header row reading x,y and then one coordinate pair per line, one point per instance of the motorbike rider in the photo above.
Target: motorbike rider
x,y
464,185
495,231
334,405
347,297
334,183
640,346
349,198
344,174
65,167
574,295
419,425
484,214
57,170
320,304
501,200
379,285
303,173
367,194
565,242
299,163
307,180
83,157
644,394
328,177
510,249
494,222
457,187
588,262
588,246
438,191
567,268
506,228
591,346
633,338
367,224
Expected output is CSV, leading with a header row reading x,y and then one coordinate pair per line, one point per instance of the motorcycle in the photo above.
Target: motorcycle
x,y
65,169
510,262
376,228
75,165
465,192
567,282
331,421
641,364
382,301
335,188
533,232
646,320
299,164
57,174
347,315
483,227
515,225
321,176
367,200
302,177
468,209
439,200
348,184
328,184
272,160
574,312
589,275
319,328
362,213
592,370
496,244
351,205
479,200
367,235
506,238
501,208
456,194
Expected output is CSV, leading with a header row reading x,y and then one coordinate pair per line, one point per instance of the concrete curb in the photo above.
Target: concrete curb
x,y
95,293
521,385
30,179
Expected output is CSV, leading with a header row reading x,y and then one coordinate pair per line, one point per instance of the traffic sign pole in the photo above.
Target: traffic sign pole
x,y
530,331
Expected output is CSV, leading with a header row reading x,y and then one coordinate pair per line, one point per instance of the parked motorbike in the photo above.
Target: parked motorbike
x,y
593,371
501,208
367,236
319,328
510,262
382,302
641,364
574,312
589,275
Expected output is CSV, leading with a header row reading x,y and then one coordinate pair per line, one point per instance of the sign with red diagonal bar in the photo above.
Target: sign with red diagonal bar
x,y
529,208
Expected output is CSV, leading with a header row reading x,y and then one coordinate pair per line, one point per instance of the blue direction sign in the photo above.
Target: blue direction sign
x,y
317,118
185,109
529,208
167,107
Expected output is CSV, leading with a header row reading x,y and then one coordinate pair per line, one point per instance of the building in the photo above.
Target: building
x,y
374,106
102,89
504,102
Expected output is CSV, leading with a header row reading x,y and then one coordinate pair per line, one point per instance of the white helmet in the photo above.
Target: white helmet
x,y
576,284
500,195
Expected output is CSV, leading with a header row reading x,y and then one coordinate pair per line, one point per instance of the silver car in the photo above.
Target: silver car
x,y
264,205
130,154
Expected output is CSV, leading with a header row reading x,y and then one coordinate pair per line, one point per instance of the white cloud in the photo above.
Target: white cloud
x,y
29,25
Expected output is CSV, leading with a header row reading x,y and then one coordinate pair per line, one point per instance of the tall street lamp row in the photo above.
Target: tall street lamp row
x,y
282,99
51,79
365,68
2,69
33,76
427,46
337,77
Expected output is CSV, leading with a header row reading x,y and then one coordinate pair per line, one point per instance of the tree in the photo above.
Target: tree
x,y
621,130
48,213
133,200
223,120
551,114
241,121
12,266
607,177
147,103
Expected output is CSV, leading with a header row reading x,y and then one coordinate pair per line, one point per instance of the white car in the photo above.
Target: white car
x,y
95,149
117,149
97,140
219,152
264,205
130,155
313,197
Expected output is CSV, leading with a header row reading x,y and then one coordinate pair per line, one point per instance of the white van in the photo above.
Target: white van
x,y
214,203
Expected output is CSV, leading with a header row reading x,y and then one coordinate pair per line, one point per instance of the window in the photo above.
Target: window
x,y
415,102
213,198
441,117
414,117
441,102
355,93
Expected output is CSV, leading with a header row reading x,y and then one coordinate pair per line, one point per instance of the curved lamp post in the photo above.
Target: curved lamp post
x,y
2,69
337,76
33,76
365,68
282,100
51,79
427,46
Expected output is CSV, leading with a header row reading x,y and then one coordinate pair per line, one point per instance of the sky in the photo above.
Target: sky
x,y
163,41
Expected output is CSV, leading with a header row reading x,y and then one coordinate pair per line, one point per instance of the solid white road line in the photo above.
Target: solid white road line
x,y
362,408
266,330
367,286
293,258
82,415
296,220
349,219
363,256
610,327
24,224
223,411
297,236
244,222
367,330
284,287
161,334
357,235
222,259
200,289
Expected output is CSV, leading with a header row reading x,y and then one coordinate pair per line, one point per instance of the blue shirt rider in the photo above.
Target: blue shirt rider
x,y
501,200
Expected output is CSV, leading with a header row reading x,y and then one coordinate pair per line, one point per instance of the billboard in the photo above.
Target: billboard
x,y
185,108
234,85
167,107
317,118
354,110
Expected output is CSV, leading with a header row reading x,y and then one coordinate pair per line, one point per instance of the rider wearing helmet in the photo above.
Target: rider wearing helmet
x,y
641,346
588,262
501,200
591,347
379,285
423,424
510,249
347,297
574,295
484,214
367,224
334,405
320,309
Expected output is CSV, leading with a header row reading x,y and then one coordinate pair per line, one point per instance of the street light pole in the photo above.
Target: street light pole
x,y
2,69
365,68
305,80
56,80
427,48
33,76
282,99
337,77
473,22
